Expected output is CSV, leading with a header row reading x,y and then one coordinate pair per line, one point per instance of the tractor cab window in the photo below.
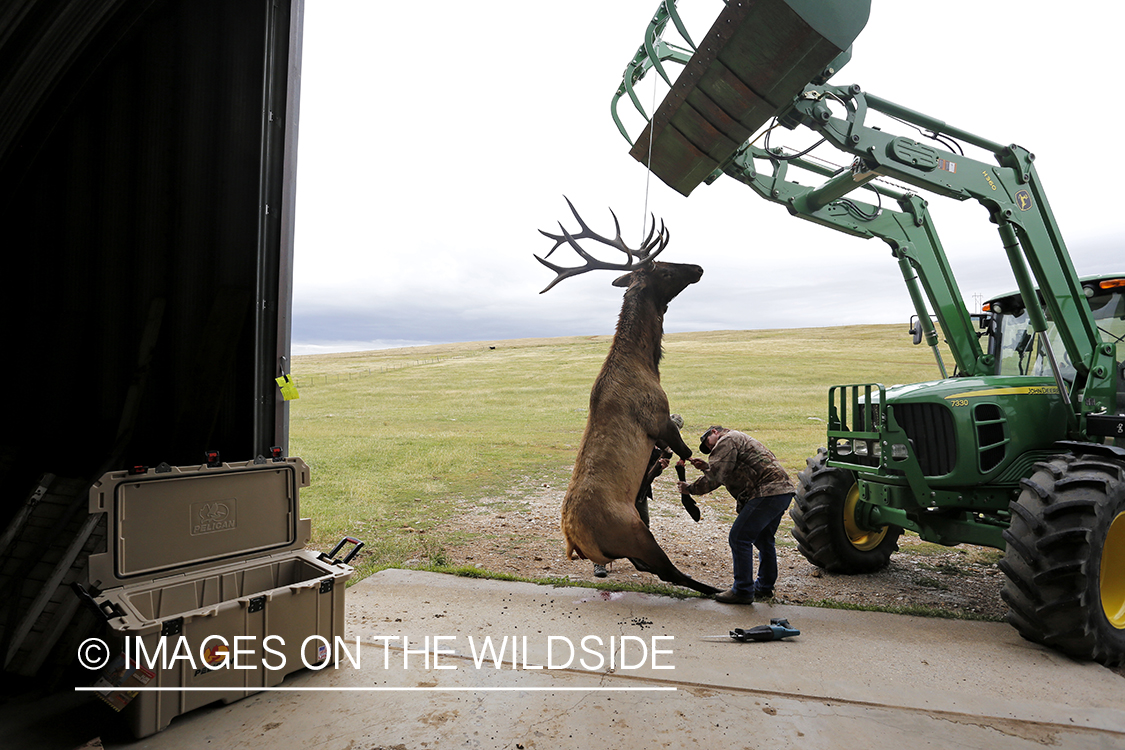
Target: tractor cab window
x,y
1019,352
1109,312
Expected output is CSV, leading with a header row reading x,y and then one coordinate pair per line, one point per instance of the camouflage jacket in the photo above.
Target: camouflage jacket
x,y
745,466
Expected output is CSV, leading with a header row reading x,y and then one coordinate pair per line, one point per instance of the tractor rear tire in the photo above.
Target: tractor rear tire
x,y
1065,558
824,526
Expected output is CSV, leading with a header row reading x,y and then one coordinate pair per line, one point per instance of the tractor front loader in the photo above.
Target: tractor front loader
x,y
1022,446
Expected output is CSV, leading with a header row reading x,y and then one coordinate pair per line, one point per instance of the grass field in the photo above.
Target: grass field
x,y
395,437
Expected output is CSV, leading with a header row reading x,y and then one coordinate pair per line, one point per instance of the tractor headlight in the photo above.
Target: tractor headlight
x,y
899,450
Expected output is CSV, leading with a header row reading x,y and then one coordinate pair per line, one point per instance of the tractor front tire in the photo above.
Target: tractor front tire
x,y
824,524
1065,558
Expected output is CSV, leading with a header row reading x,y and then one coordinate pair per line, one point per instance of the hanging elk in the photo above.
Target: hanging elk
x,y
628,409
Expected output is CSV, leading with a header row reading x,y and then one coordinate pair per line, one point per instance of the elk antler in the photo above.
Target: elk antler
x,y
652,246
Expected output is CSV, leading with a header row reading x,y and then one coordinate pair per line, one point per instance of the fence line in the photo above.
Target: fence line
x,y
305,381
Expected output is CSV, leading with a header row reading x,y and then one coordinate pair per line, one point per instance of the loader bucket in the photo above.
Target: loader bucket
x,y
758,56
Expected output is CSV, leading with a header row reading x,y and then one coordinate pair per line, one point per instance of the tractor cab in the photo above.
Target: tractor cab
x,y
1017,351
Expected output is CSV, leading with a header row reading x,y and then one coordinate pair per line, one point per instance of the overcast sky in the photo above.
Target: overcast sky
x,y
437,138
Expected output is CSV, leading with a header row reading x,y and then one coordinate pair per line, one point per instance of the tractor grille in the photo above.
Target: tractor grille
x,y
930,429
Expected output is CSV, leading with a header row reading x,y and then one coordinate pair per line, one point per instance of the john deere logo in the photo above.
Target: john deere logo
x,y
214,516
1023,200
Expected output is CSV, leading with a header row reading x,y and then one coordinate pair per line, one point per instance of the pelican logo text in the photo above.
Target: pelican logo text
x,y
217,515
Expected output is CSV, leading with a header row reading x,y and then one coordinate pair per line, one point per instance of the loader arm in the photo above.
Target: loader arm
x,y
909,232
1009,190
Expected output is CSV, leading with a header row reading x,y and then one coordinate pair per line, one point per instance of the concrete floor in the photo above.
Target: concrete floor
x,y
850,679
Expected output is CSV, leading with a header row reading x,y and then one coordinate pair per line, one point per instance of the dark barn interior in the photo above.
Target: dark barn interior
x,y
147,162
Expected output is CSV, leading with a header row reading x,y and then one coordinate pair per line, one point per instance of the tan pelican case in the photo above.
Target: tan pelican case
x,y
206,568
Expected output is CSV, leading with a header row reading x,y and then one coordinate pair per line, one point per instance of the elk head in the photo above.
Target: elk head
x,y
665,280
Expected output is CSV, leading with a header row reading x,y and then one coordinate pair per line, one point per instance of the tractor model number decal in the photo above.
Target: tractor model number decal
x,y
1023,200
959,399
991,184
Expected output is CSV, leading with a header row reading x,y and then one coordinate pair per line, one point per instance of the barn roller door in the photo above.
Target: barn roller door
x,y
147,172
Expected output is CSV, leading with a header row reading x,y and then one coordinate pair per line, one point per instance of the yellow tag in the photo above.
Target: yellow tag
x,y
288,388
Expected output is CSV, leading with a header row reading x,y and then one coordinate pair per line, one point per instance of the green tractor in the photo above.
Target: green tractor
x,y
1022,447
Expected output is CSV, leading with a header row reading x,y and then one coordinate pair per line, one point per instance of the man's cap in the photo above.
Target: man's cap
x,y
703,448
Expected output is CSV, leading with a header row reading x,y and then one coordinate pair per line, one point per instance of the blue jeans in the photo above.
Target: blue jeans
x,y
756,525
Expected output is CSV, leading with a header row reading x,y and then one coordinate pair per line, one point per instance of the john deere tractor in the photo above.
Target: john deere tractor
x,y
1022,446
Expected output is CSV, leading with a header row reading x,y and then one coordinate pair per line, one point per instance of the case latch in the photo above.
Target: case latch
x,y
105,610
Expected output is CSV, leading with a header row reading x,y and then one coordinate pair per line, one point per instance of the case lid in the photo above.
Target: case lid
x,y
180,519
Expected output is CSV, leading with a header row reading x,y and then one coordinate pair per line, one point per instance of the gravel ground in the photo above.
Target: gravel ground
x,y
519,534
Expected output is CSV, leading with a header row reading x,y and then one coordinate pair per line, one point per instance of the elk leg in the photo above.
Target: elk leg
x,y
642,503
645,492
687,500
674,575
648,557
670,436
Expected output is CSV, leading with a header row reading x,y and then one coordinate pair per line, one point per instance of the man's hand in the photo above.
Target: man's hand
x,y
682,487
700,464
657,468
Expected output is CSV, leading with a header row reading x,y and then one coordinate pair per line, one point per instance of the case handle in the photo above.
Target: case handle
x,y
331,556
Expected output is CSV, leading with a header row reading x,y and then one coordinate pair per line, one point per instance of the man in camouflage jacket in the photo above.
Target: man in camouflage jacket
x,y
762,491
